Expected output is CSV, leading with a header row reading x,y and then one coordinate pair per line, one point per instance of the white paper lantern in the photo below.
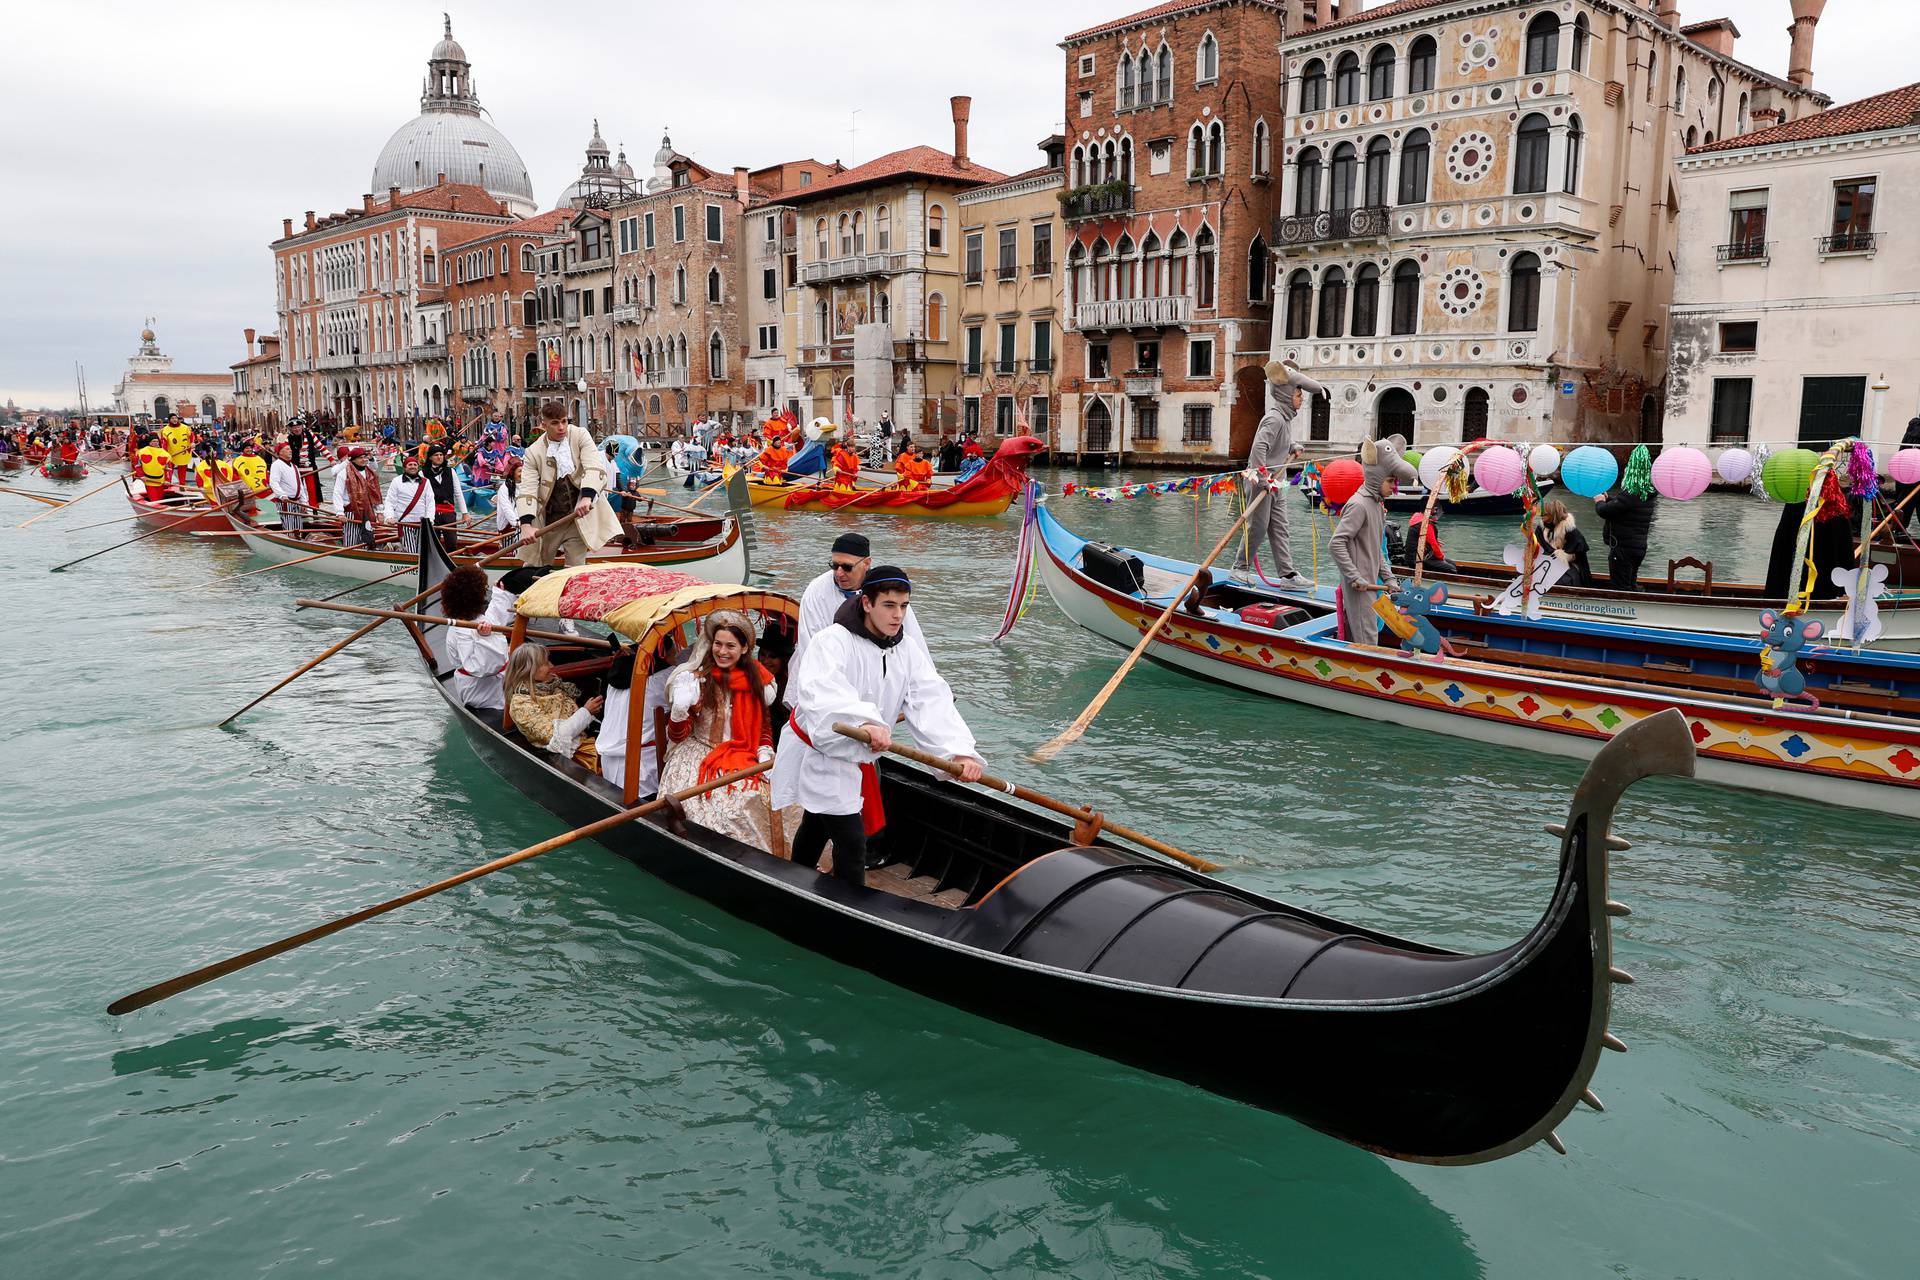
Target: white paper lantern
x,y
1735,466
1545,460
1435,461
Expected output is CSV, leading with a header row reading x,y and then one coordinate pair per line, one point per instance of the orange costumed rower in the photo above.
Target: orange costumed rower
x,y
914,471
773,461
846,468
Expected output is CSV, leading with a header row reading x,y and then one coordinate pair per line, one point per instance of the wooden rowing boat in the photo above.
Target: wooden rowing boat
x,y
199,515
1701,604
1401,1048
1558,686
721,559
988,492
57,470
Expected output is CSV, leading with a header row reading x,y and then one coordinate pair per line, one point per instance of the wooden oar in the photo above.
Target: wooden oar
x,y
174,524
233,964
401,573
434,620
1079,813
369,628
1055,745
288,564
111,484
36,497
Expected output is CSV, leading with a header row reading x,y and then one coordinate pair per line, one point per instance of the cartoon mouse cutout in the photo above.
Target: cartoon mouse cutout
x,y
1548,569
1416,601
1780,674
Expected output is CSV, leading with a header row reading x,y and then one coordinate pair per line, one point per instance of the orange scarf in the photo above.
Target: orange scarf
x,y
748,723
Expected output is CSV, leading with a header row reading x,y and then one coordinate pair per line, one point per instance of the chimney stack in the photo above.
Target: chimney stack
x,y
1806,16
453,202
1669,13
286,228
366,202
962,113
741,189
309,219
393,197
249,334
439,179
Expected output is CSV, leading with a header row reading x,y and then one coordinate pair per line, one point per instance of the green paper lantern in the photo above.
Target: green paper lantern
x,y
1413,457
1788,475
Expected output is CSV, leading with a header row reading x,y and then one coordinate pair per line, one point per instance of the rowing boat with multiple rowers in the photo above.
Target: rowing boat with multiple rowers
x,y
1556,685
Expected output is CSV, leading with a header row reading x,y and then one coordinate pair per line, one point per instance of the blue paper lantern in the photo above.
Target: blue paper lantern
x,y
1589,471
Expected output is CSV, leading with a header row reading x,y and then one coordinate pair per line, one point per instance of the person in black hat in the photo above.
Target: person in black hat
x,y
847,565
866,670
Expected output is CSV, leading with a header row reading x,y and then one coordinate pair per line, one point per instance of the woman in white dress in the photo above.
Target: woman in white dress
x,y
717,722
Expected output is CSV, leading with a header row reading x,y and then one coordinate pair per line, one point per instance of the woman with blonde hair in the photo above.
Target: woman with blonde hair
x,y
718,722
546,710
1559,537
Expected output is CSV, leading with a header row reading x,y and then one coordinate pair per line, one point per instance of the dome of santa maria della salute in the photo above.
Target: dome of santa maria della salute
x,y
451,137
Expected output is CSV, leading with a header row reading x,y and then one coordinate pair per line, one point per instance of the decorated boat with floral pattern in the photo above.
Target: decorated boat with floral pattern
x,y
1556,685
988,492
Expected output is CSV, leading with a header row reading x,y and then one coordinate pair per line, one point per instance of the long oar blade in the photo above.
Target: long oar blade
x,y
233,964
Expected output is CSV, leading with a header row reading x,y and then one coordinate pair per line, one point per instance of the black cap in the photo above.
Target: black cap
x,y
518,580
853,544
886,577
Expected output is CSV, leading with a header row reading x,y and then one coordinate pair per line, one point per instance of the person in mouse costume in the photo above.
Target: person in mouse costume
x,y
1273,448
564,474
1357,548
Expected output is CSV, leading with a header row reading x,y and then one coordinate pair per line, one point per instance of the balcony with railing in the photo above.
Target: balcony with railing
x,y
1097,201
1133,313
545,380
1142,382
1040,364
848,267
1006,271
343,360
1743,251
1850,242
626,313
1367,222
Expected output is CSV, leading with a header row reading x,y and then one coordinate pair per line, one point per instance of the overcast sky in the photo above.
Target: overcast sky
x,y
150,150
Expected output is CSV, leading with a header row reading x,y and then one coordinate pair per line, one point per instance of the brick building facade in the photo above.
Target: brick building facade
x,y
1172,119
490,332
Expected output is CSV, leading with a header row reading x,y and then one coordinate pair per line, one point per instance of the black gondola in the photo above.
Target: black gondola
x,y
1403,1049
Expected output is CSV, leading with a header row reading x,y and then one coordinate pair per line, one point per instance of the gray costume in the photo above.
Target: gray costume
x,y
1272,447
1356,546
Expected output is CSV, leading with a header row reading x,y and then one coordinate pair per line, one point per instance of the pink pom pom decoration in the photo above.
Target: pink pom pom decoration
x,y
1905,467
1499,469
1682,473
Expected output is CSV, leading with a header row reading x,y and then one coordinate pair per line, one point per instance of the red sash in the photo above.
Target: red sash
x,y
873,817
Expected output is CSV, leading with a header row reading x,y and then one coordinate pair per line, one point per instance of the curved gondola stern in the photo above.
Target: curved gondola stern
x,y
740,504
1658,745
435,565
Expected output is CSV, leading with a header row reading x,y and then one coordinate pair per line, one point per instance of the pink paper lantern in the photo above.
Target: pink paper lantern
x,y
1682,473
1905,467
1499,469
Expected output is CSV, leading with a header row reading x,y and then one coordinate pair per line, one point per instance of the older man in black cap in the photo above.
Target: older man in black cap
x,y
847,566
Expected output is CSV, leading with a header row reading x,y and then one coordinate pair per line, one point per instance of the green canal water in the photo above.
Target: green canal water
x,y
570,1069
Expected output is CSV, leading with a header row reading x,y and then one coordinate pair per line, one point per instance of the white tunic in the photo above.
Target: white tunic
x,y
409,498
479,663
821,600
849,678
340,487
283,481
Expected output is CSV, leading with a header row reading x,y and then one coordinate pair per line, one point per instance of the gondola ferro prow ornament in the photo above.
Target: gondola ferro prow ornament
x,y
1660,745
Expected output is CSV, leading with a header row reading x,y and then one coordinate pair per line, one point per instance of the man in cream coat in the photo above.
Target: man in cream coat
x,y
564,454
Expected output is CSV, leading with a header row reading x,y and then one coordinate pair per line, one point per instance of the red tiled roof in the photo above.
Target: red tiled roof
x,y
1392,10
919,162
1709,25
1167,10
1889,110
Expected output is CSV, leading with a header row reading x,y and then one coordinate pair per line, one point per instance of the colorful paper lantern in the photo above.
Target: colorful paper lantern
x,y
1788,475
1412,458
1589,471
1499,469
1434,462
1682,473
1735,466
1340,481
1904,467
1545,460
